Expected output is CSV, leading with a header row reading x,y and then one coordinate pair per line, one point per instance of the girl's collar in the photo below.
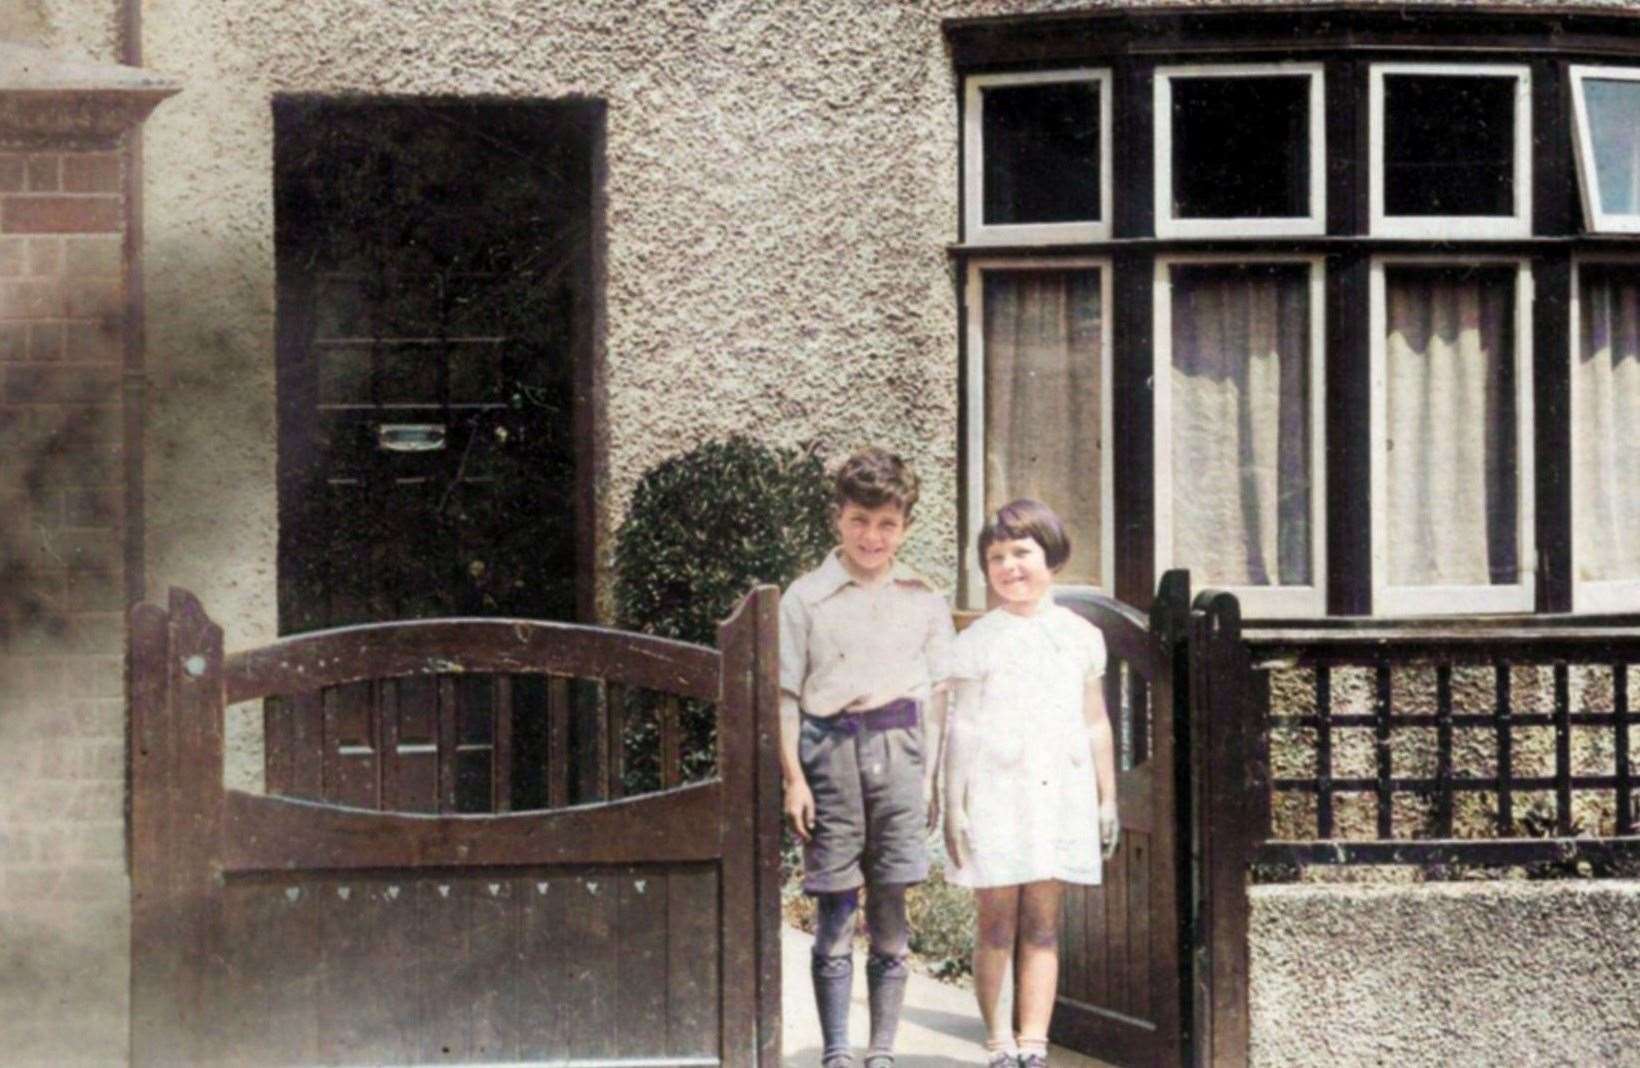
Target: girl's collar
x,y
1040,609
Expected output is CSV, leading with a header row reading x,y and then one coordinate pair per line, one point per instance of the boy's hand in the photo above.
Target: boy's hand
x,y
1110,829
800,808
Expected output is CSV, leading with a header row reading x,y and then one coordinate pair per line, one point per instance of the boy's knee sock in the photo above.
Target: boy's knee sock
x,y
833,984
885,984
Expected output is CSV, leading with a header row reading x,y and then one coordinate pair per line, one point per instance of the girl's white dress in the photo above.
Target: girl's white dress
x,y
1033,805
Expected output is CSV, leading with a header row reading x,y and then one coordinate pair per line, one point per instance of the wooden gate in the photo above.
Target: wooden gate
x,y
275,930
1121,995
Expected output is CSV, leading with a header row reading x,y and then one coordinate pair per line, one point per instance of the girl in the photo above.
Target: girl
x,y
1028,739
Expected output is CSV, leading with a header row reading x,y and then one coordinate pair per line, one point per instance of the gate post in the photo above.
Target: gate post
x,y
177,702
1170,638
1228,820
748,737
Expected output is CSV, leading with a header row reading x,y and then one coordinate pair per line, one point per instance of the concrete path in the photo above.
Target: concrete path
x,y
938,1028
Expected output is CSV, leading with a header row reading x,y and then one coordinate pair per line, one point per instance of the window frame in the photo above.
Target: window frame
x,y
1441,227
1258,602
1254,227
973,475
1596,219
976,230
1521,596
1609,595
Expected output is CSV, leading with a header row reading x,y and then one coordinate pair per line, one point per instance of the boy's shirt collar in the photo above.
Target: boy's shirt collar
x,y
832,576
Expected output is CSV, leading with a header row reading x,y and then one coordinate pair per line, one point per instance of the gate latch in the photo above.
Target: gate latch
x,y
410,437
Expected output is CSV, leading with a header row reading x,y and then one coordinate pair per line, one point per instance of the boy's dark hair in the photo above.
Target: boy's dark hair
x,y
874,477
1025,518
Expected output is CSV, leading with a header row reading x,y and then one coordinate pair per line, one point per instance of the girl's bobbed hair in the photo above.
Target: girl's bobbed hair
x,y
1027,518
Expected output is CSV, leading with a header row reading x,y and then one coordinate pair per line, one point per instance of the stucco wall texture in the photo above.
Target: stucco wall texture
x,y
1494,973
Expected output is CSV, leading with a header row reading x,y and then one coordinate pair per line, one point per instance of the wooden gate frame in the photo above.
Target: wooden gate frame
x,y
189,833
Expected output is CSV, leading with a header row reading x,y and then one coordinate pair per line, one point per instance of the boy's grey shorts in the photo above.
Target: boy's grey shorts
x,y
870,825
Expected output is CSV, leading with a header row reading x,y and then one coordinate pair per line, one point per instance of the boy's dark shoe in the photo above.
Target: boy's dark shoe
x,y
837,1060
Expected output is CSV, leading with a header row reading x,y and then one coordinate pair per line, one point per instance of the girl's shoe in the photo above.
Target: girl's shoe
x,y
1033,1060
1002,1059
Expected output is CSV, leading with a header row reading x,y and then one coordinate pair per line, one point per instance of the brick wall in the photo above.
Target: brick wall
x,y
63,889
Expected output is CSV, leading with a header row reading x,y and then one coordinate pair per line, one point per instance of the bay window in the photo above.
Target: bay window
x,y
1331,307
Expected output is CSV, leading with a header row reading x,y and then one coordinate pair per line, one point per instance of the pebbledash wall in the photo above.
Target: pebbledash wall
x,y
781,181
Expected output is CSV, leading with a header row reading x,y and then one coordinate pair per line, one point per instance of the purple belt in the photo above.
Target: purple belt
x,y
900,713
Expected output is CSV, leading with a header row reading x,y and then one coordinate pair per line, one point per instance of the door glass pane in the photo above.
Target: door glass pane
x,y
1041,153
1242,478
1449,145
1241,147
1452,439
1614,126
1042,401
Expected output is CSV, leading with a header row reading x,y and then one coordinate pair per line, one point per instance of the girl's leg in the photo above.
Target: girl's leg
x,y
832,968
886,968
1036,977
993,953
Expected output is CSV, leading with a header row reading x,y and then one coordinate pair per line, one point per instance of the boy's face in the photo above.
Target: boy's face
x,y
871,536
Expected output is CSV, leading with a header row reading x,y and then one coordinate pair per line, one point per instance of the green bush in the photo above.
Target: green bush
x,y
703,528
708,525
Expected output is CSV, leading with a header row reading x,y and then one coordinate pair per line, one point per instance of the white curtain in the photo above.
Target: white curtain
x,y
1240,424
1452,449
1606,437
1042,401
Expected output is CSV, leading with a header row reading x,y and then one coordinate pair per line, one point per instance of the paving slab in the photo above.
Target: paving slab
x,y
939,1026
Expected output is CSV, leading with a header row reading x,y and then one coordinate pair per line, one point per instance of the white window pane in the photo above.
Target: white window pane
x,y
1041,153
1241,433
1043,408
1614,127
1605,438
1241,147
1452,452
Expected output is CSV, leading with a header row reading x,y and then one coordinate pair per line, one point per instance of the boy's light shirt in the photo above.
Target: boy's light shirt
x,y
848,646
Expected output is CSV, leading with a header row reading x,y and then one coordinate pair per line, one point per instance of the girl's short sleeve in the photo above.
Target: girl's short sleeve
x,y
1095,652
967,660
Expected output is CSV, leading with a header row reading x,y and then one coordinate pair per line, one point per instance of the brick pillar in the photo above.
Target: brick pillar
x,y
64,891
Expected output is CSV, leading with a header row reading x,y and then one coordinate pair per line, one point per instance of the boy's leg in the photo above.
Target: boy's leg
x,y
832,968
832,874
886,968
896,856
1037,975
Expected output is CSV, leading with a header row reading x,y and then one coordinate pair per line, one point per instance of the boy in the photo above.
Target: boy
x,y
863,643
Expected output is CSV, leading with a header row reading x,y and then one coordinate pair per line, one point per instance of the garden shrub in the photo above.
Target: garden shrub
x,y
703,528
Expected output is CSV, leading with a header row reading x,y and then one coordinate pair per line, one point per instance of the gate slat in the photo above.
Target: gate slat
x,y
491,970
544,976
501,752
615,733
273,927
448,746
671,758
641,960
589,950
444,1030
691,965
558,713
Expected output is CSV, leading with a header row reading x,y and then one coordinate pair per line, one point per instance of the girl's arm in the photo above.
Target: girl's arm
x,y
964,696
1102,742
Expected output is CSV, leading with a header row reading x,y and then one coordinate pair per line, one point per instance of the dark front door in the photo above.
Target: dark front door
x,y
1120,951
433,279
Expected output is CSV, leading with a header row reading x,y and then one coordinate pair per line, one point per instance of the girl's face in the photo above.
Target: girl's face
x,y
1018,573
